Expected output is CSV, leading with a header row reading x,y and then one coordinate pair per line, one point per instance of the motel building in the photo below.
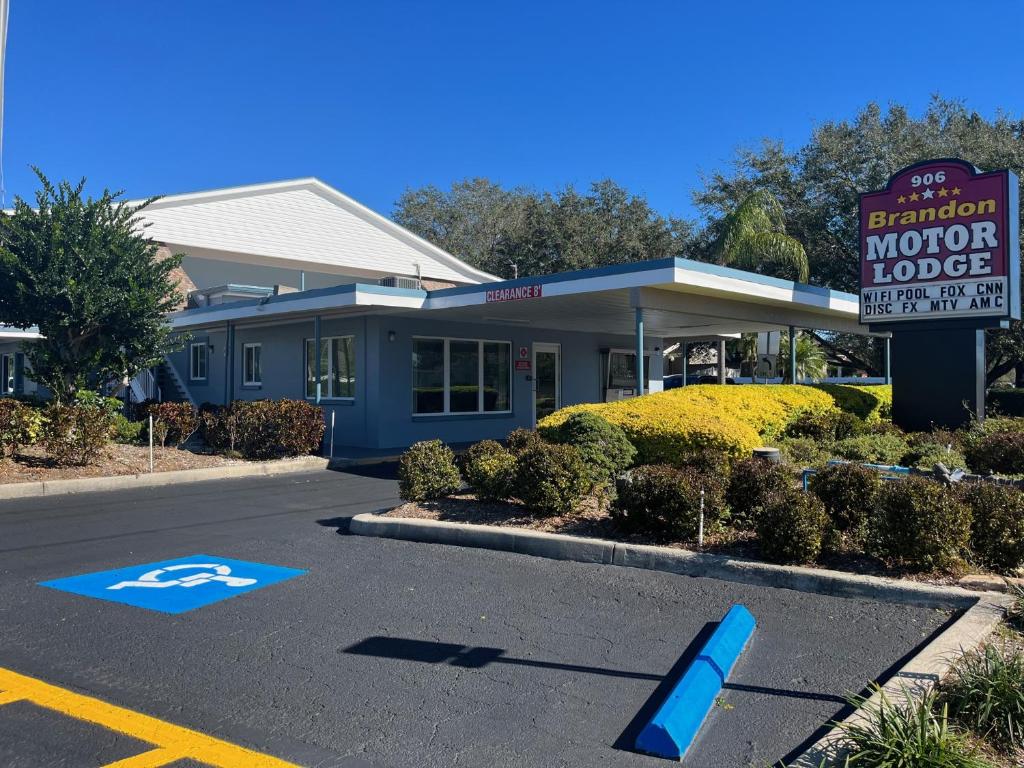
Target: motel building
x,y
295,290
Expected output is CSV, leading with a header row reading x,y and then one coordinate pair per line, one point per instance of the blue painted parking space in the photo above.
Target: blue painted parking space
x,y
176,586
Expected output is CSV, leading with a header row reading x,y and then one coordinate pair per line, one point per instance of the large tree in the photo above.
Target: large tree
x,y
505,231
81,269
818,185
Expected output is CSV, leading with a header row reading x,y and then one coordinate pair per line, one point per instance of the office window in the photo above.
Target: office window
x,y
461,376
197,361
252,372
337,367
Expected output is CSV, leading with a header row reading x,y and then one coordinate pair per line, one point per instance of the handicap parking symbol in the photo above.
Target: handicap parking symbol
x,y
176,586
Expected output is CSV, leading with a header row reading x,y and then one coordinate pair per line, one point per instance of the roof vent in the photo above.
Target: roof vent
x,y
397,281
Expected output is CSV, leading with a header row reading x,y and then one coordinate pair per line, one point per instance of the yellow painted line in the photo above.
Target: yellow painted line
x,y
6,697
155,758
172,739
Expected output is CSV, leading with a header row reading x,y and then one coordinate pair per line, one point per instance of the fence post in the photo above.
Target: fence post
x,y
151,443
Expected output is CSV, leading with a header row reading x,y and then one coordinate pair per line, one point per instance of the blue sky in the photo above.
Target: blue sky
x,y
372,97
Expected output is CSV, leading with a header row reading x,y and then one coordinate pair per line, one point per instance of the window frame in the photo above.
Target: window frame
x,y
328,377
205,358
446,378
8,366
246,348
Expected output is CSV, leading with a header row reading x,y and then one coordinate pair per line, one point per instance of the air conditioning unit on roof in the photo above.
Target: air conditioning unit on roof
x,y
397,281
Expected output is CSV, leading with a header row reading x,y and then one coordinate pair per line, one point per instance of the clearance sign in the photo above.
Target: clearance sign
x,y
940,241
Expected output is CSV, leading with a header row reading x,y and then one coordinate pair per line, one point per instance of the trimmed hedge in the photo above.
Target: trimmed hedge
x,y
173,421
667,427
664,502
790,527
869,402
921,525
490,470
997,525
848,492
603,446
75,432
427,471
263,429
752,483
551,479
999,452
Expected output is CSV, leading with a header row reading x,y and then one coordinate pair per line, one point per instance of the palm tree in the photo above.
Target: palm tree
x,y
811,362
754,238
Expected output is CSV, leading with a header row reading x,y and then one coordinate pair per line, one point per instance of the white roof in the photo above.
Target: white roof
x,y
300,224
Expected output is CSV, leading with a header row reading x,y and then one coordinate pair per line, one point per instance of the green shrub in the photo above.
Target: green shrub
x,y
998,452
1007,402
920,525
752,482
20,425
490,470
123,430
825,426
218,426
427,471
173,421
871,403
604,447
985,693
909,734
848,492
997,525
75,432
551,479
708,461
805,451
519,440
872,448
790,527
664,502
268,429
924,456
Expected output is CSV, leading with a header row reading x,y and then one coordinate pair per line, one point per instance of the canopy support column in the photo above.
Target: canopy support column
x,y
686,361
640,381
721,361
887,353
316,351
792,355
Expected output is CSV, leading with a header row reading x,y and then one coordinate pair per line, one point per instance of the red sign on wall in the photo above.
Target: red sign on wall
x,y
940,241
515,294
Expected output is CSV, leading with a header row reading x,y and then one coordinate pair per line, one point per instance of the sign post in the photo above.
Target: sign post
x,y
940,263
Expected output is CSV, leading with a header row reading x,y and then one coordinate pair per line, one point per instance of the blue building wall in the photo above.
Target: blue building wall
x,y
381,413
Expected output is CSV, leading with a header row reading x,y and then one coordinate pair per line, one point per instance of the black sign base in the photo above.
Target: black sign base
x,y
938,377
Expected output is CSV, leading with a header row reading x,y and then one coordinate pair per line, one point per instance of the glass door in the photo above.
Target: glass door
x,y
547,380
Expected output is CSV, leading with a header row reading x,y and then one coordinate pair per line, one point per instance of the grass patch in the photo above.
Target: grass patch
x,y
985,693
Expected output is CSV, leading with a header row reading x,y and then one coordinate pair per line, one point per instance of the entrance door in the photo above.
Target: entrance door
x,y
547,380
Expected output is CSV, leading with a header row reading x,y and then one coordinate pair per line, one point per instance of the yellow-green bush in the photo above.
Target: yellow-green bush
x,y
870,402
666,427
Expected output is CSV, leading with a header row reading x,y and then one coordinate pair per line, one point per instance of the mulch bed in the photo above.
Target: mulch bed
x,y
33,465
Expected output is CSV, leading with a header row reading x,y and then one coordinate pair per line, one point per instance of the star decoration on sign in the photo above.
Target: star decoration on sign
x,y
928,194
943,192
914,197
901,199
956,191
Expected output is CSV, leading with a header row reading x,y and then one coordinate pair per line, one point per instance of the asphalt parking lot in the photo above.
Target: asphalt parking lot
x,y
390,653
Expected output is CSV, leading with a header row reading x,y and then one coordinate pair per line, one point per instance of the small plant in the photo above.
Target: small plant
x,y
804,451
790,527
665,501
126,431
985,693
173,421
825,426
927,456
490,470
266,429
604,447
921,525
1015,613
551,479
997,525
906,735
427,471
848,492
752,482
872,448
20,425
999,452
75,432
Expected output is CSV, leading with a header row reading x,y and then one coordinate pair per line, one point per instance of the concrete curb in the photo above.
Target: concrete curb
x,y
914,679
562,547
152,480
